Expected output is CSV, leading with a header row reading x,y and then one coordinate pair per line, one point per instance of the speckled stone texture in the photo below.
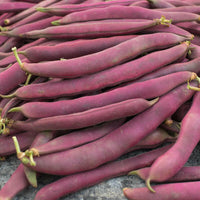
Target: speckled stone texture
x,y
107,190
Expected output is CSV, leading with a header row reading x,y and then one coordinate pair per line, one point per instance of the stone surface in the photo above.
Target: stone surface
x,y
107,190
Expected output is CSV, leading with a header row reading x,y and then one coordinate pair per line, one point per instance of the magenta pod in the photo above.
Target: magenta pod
x,y
114,76
178,3
18,180
38,25
192,66
11,78
87,118
69,184
187,173
173,160
62,10
171,191
126,12
27,12
147,89
94,29
72,49
106,59
116,143
15,6
75,138
11,58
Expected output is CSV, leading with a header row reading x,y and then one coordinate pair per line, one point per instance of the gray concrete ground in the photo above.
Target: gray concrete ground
x,y
107,190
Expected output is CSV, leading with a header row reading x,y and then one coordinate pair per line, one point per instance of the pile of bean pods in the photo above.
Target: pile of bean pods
x,y
83,83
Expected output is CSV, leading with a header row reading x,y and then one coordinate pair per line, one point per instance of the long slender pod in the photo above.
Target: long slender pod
x,y
173,160
107,58
27,12
115,143
114,76
72,49
87,118
94,29
125,12
147,89
40,24
69,184
62,10
192,66
75,138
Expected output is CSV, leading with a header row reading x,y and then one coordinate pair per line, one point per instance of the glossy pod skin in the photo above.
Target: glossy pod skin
x,y
69,184
173,160
147,90
117,142
87,118
107,58
125,12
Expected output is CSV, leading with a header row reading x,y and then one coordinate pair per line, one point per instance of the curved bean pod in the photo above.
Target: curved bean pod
x,y
173,160
115,143
69,184
107,58
87,118
125,12
171,191
72,49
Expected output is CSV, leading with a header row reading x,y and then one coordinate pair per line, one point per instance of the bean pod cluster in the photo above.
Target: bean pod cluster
x,y
86,83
